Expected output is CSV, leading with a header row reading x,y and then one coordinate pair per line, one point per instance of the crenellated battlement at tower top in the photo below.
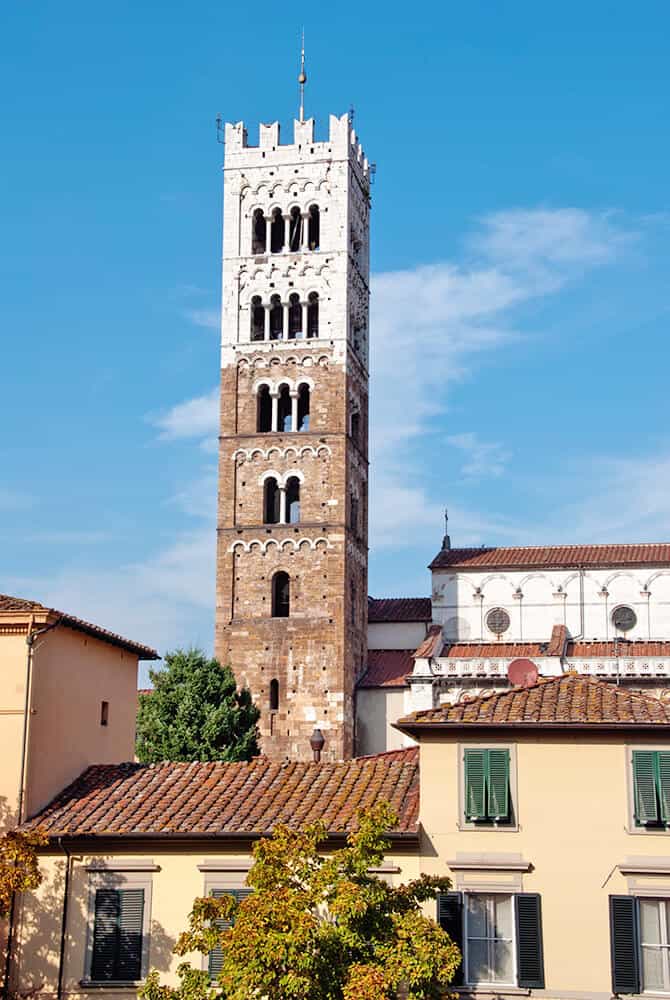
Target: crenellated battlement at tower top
x,y
342,143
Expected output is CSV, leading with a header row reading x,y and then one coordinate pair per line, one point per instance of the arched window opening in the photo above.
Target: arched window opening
x,y
313,315
274,695
284,422
355,427
257,318
277,232
353,513
281,595
294,316
293,500
258,232
264,411
303,408
276,318
314,227
294,230
271,502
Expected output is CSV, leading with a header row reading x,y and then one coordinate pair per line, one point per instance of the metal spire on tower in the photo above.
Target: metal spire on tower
x,y
302,78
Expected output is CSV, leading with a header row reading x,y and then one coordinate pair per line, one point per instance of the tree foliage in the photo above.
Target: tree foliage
x,y
19,868
195,712
318,928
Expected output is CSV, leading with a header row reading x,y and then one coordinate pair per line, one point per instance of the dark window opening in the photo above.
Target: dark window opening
x,y
264,413
277,232
355,426
293,500
313,315
294,316
303,408
276,318
353,513
271,502
295,230
257,318
281,587
284,410
117,935
258,232
314,227
274,695
104,713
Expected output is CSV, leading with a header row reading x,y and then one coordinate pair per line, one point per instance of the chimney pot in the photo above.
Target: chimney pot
x,y
317,741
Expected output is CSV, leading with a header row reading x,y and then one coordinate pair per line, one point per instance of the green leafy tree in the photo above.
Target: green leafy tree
x,y
318,928
19,868
195,712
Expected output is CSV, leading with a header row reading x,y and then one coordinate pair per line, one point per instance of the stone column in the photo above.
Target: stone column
x,y
266,330
294,410
304,319
268,234
287,233
282,505
285,321
305,232
275,410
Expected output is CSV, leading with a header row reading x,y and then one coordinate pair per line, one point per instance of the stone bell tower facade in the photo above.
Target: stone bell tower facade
x,y
291,614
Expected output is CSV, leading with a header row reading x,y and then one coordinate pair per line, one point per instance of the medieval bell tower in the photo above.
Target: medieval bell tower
x,y
291,614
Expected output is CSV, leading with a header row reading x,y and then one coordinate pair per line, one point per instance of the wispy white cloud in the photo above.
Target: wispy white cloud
x,y
483,459
210,319
193,418
431,324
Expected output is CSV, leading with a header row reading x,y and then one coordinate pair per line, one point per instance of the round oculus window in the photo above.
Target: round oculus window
x,y
498,621
624,618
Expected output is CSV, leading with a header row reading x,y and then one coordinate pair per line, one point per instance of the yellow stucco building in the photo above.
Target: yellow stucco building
x,y
547,806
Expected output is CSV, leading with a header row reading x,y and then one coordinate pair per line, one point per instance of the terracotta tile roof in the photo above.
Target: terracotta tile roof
x,y
554,556
431,645
623,647
399,609
387,668
232,799
569,700
19,605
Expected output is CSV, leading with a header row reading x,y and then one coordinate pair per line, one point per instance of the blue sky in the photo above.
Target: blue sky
x,y
520,319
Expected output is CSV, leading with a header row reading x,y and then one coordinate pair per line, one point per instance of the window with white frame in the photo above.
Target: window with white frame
x,y
499,935
489,938
640,944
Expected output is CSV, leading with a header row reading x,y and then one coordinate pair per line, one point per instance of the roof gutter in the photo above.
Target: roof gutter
x,y
424,727
101,840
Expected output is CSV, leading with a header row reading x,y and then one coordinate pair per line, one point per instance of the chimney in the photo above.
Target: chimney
x,y
317,741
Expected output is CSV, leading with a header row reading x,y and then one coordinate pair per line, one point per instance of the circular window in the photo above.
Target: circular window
x,y
497,621
624,618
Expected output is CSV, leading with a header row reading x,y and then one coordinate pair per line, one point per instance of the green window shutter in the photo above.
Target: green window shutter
x,y
105,934
216,954
498,784
530,953
450,919
644,779
475,784
131,919
663,759
624,944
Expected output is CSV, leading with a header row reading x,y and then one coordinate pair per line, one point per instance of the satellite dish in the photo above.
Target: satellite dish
x,y
522,673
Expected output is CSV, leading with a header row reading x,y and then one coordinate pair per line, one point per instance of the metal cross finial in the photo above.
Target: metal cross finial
x,y
302,78
446,541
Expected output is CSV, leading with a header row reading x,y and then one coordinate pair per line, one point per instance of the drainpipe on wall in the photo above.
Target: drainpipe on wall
x,y
63,927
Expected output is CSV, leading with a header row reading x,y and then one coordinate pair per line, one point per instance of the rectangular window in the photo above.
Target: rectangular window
x,y
655,944
486,776
500,937
489,939
104,713
651,787
215,958
117,935
640,944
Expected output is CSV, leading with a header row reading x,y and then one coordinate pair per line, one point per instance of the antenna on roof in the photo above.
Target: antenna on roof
x,y
302,77
446,541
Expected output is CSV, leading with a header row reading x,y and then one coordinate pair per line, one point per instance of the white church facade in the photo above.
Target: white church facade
x,y
598,610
